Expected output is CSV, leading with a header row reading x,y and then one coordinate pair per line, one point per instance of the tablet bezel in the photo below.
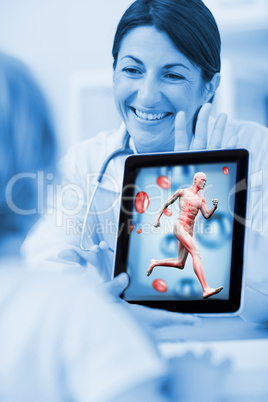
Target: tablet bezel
x,y
211,306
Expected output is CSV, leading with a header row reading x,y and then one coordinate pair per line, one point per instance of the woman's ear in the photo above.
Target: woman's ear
x,y
211,87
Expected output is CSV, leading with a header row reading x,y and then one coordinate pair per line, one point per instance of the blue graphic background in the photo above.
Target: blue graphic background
x,y
214,236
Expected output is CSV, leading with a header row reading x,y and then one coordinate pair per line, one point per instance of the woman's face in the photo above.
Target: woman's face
x,y
153,81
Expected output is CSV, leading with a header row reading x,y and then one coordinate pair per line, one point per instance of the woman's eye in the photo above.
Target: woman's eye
x,y
131,71
174,77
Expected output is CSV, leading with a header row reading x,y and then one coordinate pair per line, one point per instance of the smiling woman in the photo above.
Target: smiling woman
x,y
164,63
166,71
153,81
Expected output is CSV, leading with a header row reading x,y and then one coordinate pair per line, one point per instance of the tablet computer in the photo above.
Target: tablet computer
x,y
181,230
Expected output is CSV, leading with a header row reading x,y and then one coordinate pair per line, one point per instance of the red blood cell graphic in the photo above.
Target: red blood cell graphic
x,y
167,212
139,231
163,182
141,202
131,228
160,285
225,170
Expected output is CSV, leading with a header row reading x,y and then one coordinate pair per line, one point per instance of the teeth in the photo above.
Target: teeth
x,y
146,116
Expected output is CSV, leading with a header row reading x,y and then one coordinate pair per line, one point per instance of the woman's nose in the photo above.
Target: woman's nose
x,y
149,92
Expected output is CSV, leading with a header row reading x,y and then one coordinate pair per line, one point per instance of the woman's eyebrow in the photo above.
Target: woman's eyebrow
x,y
167,66
133,58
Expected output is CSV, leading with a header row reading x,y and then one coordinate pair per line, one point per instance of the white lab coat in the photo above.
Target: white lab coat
x,y
56,238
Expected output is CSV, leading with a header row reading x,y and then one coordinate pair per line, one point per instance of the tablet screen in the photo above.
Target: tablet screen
x,y
193,260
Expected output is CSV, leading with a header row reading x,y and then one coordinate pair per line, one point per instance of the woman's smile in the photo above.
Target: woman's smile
x,y
152,116
153,81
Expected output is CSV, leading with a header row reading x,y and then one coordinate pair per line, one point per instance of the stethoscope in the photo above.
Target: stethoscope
x,y
95,248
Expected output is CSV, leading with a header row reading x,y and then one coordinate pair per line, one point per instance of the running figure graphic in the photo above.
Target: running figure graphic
x,y
190,202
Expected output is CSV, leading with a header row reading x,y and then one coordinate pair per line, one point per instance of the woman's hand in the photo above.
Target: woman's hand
x,y
200,139
150,318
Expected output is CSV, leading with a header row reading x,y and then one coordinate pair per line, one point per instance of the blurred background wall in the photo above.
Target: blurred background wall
x,y
67,44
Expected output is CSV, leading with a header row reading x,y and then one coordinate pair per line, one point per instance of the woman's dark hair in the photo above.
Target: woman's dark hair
x,y
188,23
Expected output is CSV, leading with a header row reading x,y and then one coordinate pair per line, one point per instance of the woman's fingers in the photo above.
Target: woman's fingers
x,y
201,131
218,131
181,137
117,286
200,138
156,318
